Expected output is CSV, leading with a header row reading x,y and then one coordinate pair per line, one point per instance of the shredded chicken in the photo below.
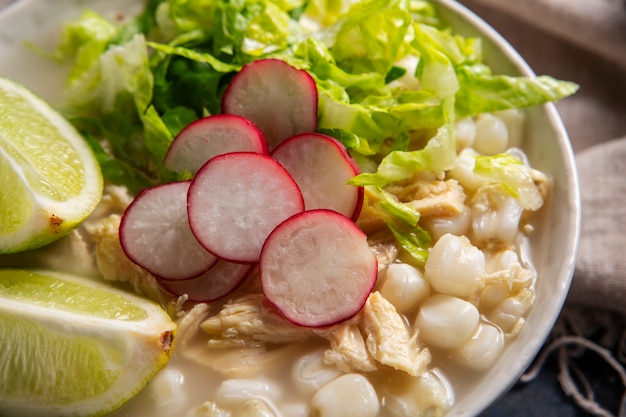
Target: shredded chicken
x,y
385,251
369,219
189,324
102,231
388,340
115,199
378,335
347,350
249,320
543,182
433,197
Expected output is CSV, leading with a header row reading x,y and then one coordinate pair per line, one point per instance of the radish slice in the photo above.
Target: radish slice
x,y
211,136
155,234
322,166
277,97
317,268
236,200
222,279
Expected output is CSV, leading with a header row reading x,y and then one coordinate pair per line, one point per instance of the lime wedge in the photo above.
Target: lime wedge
x,y
71,346
50,178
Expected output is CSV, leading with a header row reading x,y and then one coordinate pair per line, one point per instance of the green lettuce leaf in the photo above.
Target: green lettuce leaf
x,y
82,42
114,95
403,221
482,92
513,176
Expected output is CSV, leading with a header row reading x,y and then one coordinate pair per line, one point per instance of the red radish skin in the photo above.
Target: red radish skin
x,y
155,234
317,269
222,279
322,166
279,98
236,200
210,136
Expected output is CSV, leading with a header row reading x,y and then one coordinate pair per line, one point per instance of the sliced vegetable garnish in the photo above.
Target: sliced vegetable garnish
x,y
211,136
219,281
155,234
317,268
322,167
279,98
236,200
292,68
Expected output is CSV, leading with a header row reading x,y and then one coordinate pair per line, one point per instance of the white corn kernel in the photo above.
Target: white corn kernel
x,y
445,321
518,154
457,225
493,294
166,389
454,266
495,217
428,395
514,120
482,349
299,409
207,409
234,392
404,286
309,373
463,171
350,395
464,133
492,135
509,312
255,408
502,260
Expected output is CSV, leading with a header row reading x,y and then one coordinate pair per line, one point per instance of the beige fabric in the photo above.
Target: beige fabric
x,y
600,279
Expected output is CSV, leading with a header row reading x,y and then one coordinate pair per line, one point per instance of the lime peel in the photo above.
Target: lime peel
x,y
51,180
67,358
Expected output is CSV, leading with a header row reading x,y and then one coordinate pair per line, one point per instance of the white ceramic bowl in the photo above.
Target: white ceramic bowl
x,y
546,144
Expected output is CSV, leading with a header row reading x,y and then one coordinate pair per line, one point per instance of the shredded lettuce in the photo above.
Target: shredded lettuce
x,y
403,222
512,175
392,79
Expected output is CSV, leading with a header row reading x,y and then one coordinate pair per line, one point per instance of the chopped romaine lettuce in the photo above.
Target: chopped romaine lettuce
x,y
84,40
403,222
511,174
392,79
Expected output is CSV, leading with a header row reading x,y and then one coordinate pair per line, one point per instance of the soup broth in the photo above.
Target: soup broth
x,y
423,334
